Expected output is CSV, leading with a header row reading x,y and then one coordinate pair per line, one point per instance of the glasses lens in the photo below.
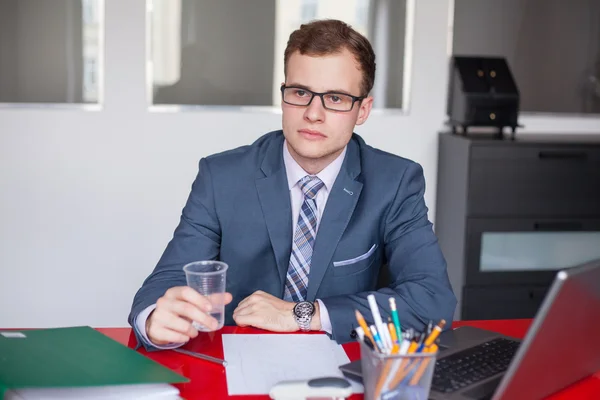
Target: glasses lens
x,y
337,101
296,96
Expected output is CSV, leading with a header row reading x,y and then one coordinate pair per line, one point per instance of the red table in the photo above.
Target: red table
x,y
208,380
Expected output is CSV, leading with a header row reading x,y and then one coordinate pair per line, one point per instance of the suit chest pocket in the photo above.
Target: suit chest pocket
x,y
356,264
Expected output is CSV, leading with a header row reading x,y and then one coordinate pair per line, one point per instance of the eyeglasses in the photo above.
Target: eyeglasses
x,y
298,96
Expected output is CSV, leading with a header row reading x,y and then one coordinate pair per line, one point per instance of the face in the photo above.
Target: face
x,y
315,135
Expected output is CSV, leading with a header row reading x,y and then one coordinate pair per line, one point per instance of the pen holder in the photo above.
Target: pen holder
x,y
395,376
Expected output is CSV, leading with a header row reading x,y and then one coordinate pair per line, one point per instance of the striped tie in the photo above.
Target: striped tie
x,y
296,282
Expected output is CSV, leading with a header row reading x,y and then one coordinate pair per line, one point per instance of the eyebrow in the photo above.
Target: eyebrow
x,y
341,91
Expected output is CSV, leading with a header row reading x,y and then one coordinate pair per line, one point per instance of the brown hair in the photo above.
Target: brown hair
x,y
324,37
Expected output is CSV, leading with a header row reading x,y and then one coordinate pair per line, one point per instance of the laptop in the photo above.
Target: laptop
x,y
561,347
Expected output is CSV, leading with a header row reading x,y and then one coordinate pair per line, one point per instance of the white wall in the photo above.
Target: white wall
x,y
90,199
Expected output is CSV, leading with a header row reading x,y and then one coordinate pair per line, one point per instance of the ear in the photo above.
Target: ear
x,y
364,110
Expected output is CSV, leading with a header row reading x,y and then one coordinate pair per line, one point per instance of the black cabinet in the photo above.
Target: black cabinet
x,y
510,213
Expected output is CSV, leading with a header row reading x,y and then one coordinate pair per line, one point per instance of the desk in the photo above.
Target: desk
x,y
208,380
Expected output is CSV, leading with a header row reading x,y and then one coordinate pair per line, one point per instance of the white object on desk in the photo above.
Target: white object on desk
x,y
256,363
158,391
330,388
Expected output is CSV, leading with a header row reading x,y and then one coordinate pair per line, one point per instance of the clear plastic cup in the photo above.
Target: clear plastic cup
x,y
396,377
208,279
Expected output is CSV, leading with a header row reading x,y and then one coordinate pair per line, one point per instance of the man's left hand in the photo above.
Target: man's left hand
x,y
265,311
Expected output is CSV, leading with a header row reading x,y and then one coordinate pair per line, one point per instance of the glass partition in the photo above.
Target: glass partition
x,y
535,251
551,46
50,51
230,52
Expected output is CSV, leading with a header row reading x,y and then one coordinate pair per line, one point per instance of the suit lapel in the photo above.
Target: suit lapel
x,y
339,208
274,196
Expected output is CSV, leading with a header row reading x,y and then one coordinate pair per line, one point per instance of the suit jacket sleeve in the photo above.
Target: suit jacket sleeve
x,y
418,276
197,237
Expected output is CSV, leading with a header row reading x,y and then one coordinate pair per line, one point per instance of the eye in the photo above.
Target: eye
x,y
335,99
301,93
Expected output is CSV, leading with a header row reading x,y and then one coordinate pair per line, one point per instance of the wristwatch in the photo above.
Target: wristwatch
x,y
303,313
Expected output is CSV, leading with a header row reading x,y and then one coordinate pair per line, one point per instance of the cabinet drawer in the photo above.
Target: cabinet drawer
x,y
502,302
534,181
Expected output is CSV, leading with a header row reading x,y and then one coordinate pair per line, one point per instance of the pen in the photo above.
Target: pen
x,y
365,328
395,318
361,335
434,335
406,341
377,339
381,327
429,327
421,342
202,356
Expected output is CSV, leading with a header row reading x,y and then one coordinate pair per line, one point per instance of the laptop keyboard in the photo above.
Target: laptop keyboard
x,y
473,365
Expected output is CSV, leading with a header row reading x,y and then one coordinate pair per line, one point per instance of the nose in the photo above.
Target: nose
x,y
314,111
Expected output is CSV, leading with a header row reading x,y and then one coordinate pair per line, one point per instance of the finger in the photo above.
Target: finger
x,y
220,298
175,323
189,295
243,307
245,320
161,336
241,304
191,313
179,308
248,309
208,322
248,300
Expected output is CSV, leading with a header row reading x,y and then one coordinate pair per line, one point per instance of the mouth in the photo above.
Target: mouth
x,y
311,134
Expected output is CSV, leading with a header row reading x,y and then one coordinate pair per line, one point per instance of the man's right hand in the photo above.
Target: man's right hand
x,y
171,320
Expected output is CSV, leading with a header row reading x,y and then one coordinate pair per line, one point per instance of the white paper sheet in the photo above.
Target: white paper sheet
x,y
257,362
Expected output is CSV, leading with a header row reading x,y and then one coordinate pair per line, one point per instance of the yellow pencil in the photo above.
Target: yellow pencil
x,y
395,346
434,333
363,324
417,376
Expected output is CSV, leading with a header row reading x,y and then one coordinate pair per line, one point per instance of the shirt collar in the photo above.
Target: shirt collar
x,y
295,172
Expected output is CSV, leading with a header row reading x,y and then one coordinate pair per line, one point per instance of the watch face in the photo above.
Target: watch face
x,y
304,309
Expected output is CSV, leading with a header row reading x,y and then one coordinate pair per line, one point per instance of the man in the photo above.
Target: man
x,y
308,215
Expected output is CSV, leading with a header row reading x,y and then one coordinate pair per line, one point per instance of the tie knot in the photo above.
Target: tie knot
x,y
310,185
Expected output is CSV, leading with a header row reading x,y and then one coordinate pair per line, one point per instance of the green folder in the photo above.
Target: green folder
x,y
73,357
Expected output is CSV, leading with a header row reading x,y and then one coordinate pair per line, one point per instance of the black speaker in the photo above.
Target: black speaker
x,y
482,92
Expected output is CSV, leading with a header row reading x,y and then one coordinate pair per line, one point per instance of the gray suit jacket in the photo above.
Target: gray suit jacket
x,y
239,212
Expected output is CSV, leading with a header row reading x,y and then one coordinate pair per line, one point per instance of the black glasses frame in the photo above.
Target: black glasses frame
x,y
313,94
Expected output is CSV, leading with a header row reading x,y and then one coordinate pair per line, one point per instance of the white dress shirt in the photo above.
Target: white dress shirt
x,y
294,173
